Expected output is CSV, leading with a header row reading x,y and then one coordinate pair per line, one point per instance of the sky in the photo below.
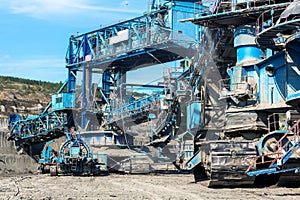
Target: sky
x,y
34,33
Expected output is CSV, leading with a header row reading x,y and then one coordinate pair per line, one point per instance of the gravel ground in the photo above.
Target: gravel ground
x,y
126,187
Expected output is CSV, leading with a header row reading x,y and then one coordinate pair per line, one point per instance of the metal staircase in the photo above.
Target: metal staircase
x,y
284,149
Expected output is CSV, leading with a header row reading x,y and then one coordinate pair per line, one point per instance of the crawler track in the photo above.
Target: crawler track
x,y
226,166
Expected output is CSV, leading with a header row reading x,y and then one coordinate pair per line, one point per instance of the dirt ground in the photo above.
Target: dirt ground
x,y
128,187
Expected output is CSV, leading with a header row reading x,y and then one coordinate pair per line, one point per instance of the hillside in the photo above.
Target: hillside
x,y
24,96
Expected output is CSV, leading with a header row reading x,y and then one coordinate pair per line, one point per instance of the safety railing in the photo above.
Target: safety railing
x,y
132,42
128,36
271,17
275,122
261,24
221,6
283,149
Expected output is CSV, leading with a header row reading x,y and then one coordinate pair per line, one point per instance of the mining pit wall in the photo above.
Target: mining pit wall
x,y
12,162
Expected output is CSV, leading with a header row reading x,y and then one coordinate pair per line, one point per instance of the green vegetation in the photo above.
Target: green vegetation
x,y
27,86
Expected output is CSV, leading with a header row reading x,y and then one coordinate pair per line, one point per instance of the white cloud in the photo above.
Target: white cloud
x,y
5,56
46,68
44,9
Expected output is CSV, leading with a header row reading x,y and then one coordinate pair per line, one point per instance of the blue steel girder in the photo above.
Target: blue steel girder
x,y
100,38
99,48
39,128
273,170
144,57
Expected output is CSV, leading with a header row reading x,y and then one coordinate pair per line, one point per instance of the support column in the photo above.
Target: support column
x,y
71,81
121,88
86,95
248,52
106,84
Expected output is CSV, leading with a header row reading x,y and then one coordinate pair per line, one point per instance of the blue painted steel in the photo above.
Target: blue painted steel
x,y
289,146
74,157
272,89
293,70
101,159
236,75
193,115
293,78
294,98
63,101
263,171
71,74
292,47
287,157
248,54
85,92
243,77
47,126
182,10
74,145
124,140
272,37
261,145
151,116
277,79
272,171
47,153
13,118
152,30
46,109
106,83
71,80
140,105
247,50
194,161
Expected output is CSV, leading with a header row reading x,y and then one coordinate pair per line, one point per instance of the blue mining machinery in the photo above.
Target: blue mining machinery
x,y
224,102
